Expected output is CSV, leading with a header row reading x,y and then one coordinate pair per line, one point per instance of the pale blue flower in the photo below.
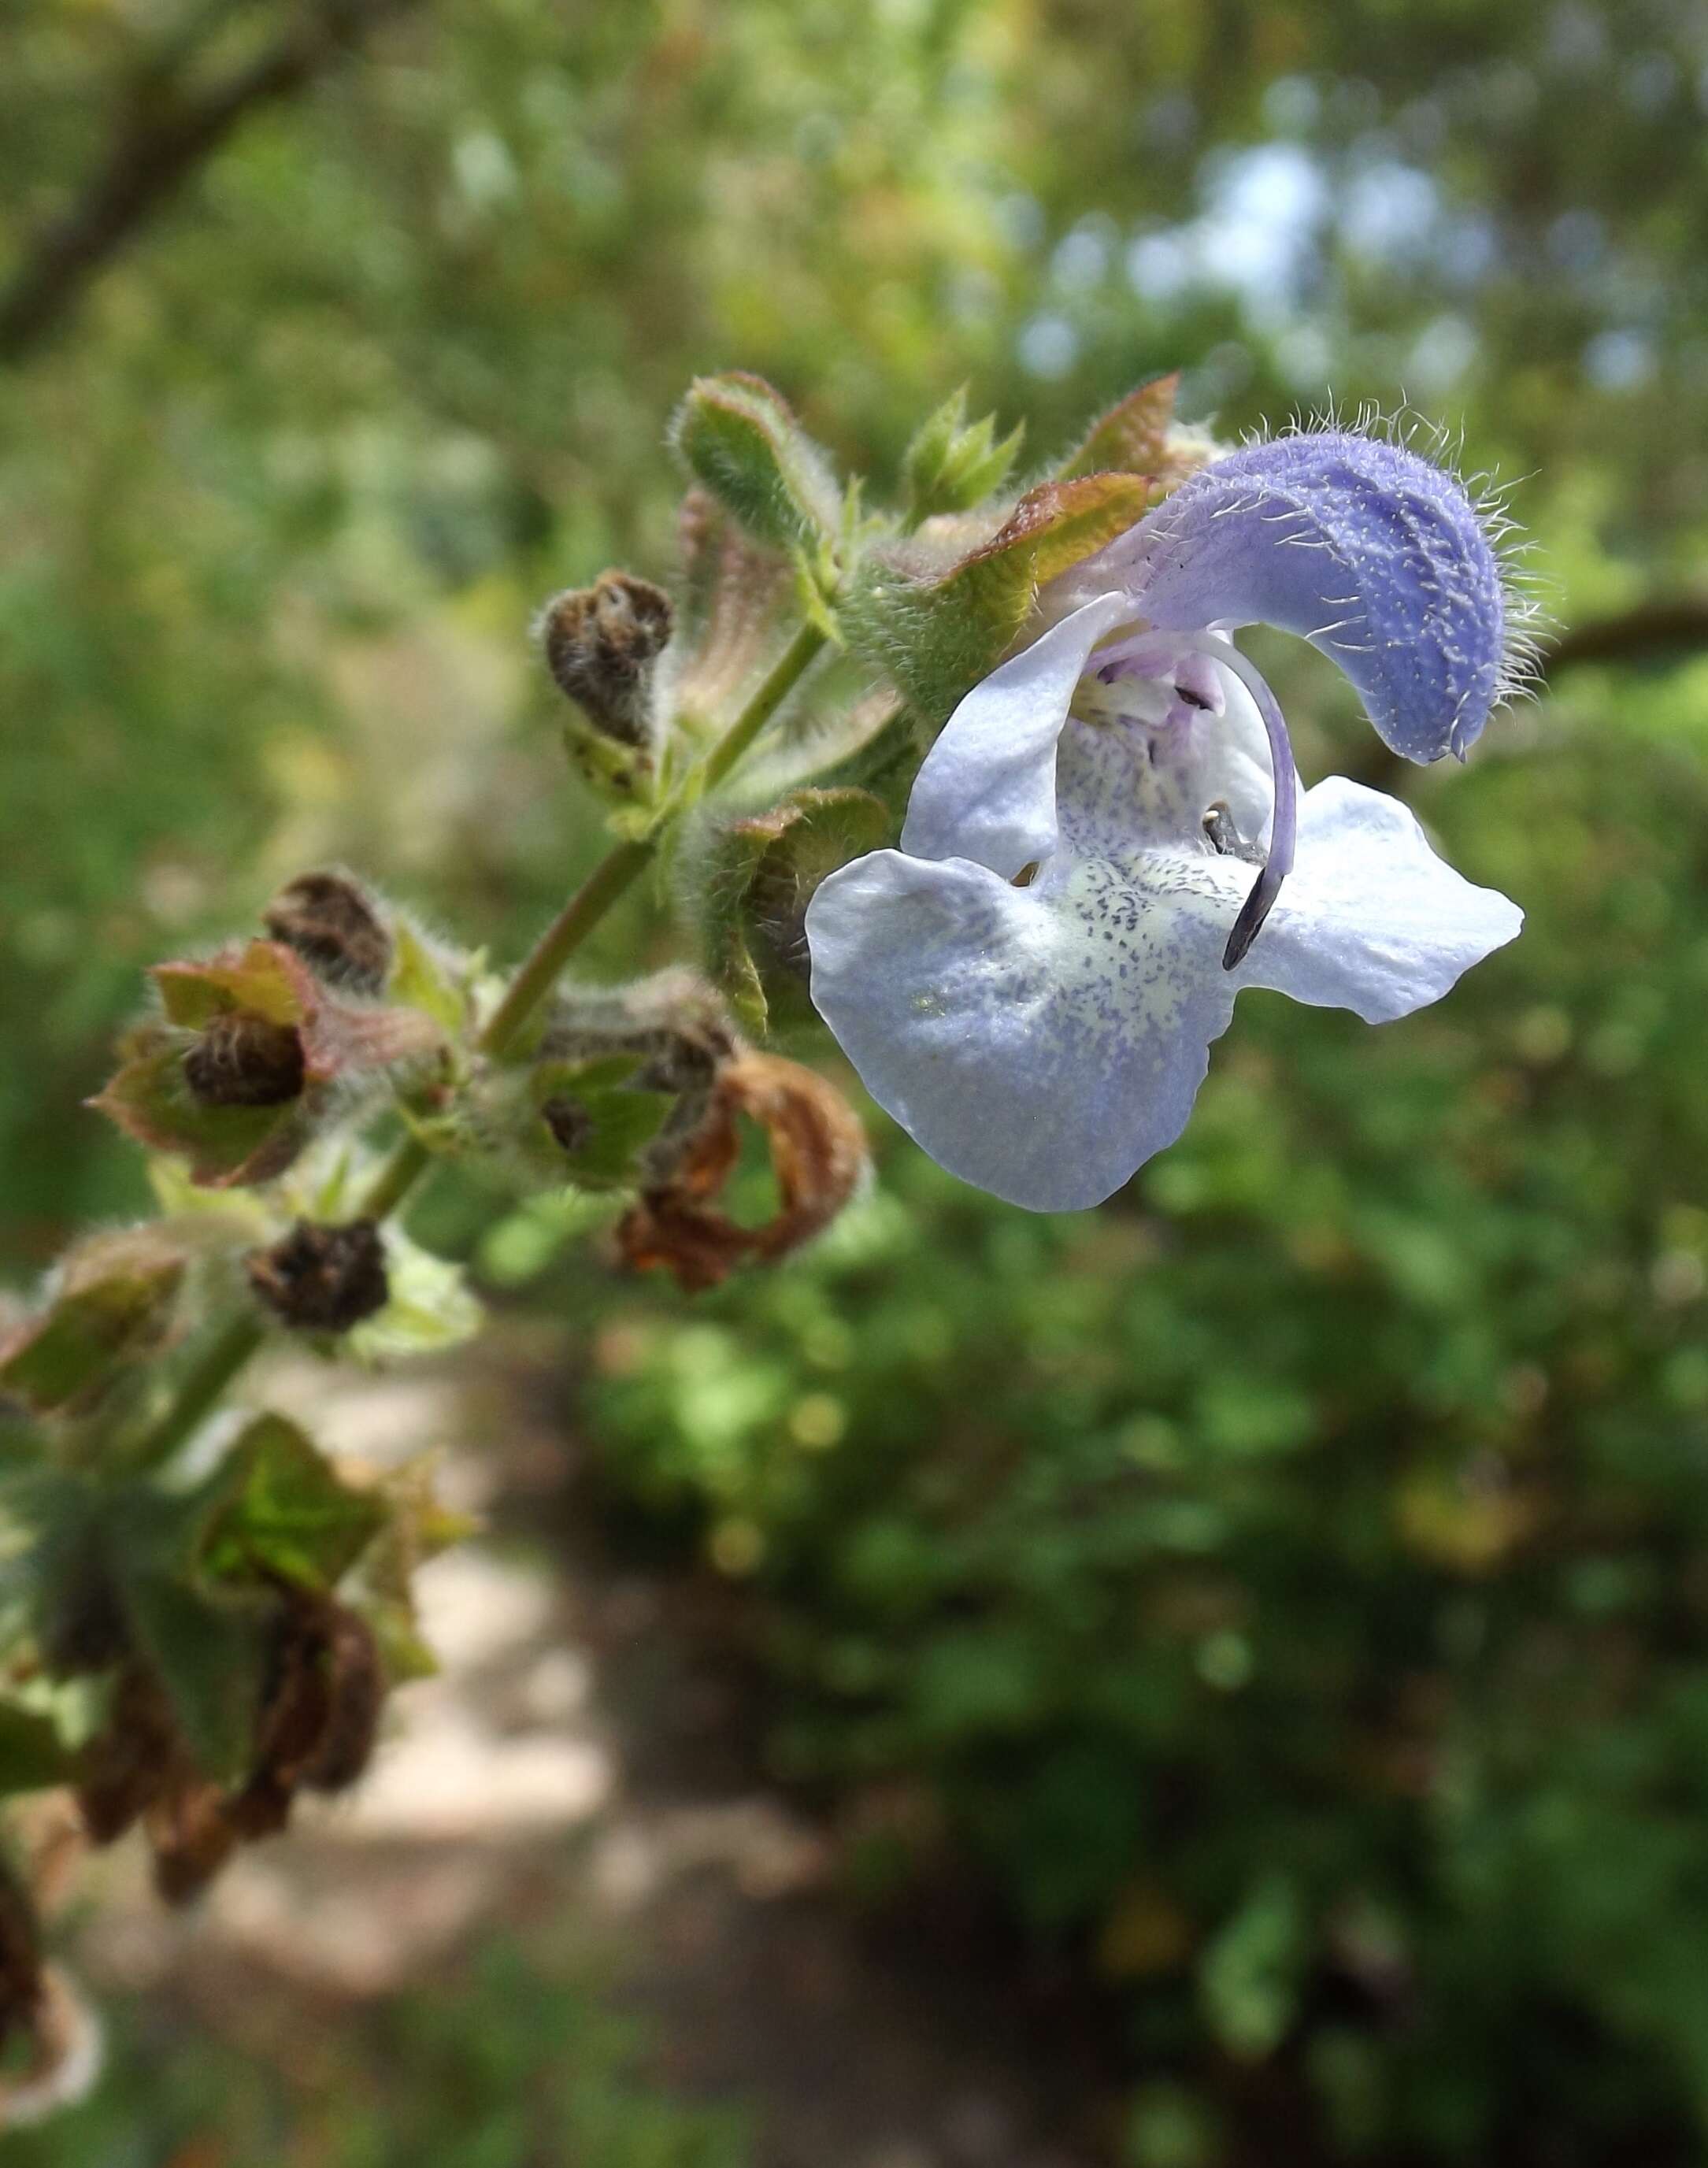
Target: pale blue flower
x,y
1107,842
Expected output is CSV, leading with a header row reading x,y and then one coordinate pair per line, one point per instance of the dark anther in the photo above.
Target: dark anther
x,y
322,1279
1191,698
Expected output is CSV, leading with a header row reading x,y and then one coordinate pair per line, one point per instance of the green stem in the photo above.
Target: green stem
x,y
199,1392
783,676
228,1350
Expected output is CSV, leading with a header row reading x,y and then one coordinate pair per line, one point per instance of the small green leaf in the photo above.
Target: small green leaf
x,y
759,877
951,466
266,979
209,1648
594,1119
429,1308
32,1754
228,1147
419,979
113,1297
287,1514
738,438
1139,435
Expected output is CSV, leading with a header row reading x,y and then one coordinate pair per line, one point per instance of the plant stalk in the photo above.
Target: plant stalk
x,y
241,1336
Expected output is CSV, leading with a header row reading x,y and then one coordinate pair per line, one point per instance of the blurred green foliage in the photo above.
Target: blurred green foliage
x,y
512,2067
1290,1584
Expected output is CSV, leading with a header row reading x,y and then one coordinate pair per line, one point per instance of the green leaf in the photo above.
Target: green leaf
x,y
756,880
418,1527
209,1648
429,1308
951,466
420,980
228,1147
593,1120
1249,1976
113,1297
32,1754
265,979
1139,435
289,1514
739,440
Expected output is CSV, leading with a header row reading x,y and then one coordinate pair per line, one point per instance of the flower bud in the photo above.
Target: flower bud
x,y
322,1279
244,1061
331,925
601,645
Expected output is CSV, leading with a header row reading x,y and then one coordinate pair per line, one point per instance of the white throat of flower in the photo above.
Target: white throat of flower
x,y
1165,681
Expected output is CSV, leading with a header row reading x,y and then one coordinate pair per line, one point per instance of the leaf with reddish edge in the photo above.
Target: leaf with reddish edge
x,y
1139,435
113,1301
238,1126
937,630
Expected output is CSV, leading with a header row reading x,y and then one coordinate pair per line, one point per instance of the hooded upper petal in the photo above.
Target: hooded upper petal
x,y
1375,555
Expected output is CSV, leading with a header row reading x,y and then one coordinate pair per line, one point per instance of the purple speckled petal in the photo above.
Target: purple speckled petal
x,y
1041,1043
986,790
1371,920
1373,554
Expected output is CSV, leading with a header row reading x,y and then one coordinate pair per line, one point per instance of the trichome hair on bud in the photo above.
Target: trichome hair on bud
x,y
674,1021
244,1061
601,645
333,924
322,1279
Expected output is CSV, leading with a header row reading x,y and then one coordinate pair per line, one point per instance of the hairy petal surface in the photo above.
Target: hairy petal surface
x,y
1372,919
1373,554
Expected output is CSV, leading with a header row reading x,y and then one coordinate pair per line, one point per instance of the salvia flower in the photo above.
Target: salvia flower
x,y
1108,841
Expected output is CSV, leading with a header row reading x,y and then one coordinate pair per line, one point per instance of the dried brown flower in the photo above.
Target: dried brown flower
x,y
818,1154
322,1279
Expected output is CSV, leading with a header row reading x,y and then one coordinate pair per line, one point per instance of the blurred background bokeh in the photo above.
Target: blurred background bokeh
x,y
1280,1599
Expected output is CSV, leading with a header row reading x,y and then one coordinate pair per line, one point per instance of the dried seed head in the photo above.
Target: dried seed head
x,y
320,1713
126,1768
601,643
330,923
242,1061
322,1279
356,1683
192,1836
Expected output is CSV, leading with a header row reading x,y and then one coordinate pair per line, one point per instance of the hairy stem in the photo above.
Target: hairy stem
x,y
229,1350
